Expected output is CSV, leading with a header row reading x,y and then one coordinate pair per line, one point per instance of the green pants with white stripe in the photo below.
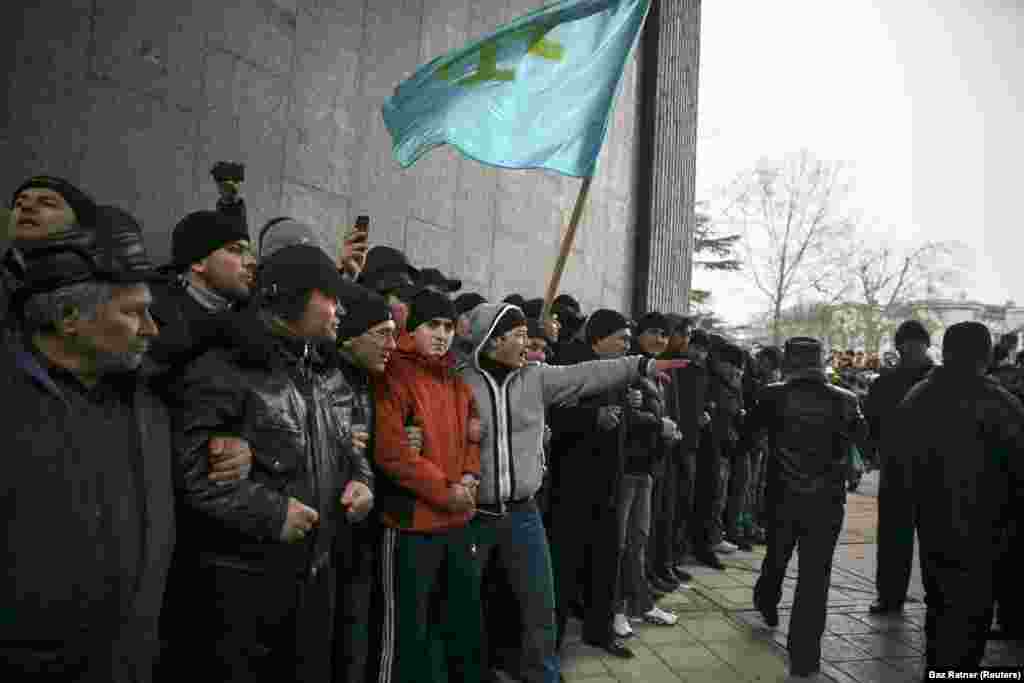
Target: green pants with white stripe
x,y
432,618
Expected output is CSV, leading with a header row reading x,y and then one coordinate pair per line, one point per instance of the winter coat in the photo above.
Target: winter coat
x,y
958,446
811,425
885,395
685,399
278,395
58,593
513,413
414,490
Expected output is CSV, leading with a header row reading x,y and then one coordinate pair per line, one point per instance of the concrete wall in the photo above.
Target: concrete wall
x,y
137,100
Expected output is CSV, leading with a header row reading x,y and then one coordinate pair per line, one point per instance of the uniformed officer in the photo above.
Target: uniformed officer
x,y
810,425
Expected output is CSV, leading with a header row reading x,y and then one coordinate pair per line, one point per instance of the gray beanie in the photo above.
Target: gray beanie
x,y
286,232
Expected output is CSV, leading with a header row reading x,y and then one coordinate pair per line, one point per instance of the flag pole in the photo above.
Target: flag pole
x,y
567,241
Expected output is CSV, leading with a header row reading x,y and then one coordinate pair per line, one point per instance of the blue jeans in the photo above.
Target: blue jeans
x,y
518,540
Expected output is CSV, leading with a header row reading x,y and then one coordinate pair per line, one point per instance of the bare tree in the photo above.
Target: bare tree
x,y
888,282
791,216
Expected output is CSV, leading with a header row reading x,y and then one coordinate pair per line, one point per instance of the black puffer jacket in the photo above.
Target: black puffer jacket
x,y
810,425
274,393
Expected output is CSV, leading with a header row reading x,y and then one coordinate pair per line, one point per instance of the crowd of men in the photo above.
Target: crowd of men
x,y
264,458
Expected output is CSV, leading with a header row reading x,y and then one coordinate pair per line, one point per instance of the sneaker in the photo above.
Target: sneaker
x,y
621,627
724,547
660,617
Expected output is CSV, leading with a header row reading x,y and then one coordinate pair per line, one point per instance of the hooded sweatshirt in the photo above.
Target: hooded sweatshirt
x,y
512,408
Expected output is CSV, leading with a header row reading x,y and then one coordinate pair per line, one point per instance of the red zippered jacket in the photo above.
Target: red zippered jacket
x,y
414,491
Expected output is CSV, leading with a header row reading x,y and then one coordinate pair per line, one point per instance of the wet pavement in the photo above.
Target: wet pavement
x,y
721,637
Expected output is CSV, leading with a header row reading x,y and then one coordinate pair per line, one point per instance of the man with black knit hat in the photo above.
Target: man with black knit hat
x,y
426,496
263,546
895,512
811,426
958,437
366,340
653,333
214,265
717,447
45,206
89,508
512,394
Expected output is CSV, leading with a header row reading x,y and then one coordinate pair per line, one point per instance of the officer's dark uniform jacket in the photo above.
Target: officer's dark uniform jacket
x,y
278,395
811,425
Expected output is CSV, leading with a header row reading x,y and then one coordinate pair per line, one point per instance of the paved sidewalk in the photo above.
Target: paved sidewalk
x,y
721,637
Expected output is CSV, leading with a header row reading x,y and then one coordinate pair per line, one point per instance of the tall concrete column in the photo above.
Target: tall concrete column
x,y
668,153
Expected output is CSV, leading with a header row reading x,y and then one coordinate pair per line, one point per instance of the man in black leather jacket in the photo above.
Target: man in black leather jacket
x,y
810,425
263,546
959,437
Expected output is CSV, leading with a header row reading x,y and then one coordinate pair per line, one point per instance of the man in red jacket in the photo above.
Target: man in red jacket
x,y
426,497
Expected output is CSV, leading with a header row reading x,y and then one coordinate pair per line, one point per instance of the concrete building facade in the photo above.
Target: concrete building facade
x,y
137,100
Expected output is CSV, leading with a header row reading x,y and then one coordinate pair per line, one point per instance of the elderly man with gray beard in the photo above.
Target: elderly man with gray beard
x,y
87,500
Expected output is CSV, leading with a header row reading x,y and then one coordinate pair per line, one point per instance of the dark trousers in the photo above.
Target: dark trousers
x,y
895,536
706,529
586,558
811,524
519,543
958,595
431,611
687,471
249,626
356,632
661,555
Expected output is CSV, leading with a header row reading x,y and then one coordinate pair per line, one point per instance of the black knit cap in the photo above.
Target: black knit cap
x,y
364,309
965,344
466,302
510,318
432,277
533,308
652,321
387,269
427,305
516,300
201,233
677,324
911,330
603,323
300,268
81,203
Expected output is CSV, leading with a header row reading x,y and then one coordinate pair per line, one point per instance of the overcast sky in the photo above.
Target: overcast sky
x,y
925,98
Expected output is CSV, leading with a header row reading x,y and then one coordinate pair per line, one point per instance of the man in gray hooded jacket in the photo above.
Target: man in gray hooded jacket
x,y
512,395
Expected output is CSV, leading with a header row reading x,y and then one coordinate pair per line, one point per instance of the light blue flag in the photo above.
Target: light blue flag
x,y
536,93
